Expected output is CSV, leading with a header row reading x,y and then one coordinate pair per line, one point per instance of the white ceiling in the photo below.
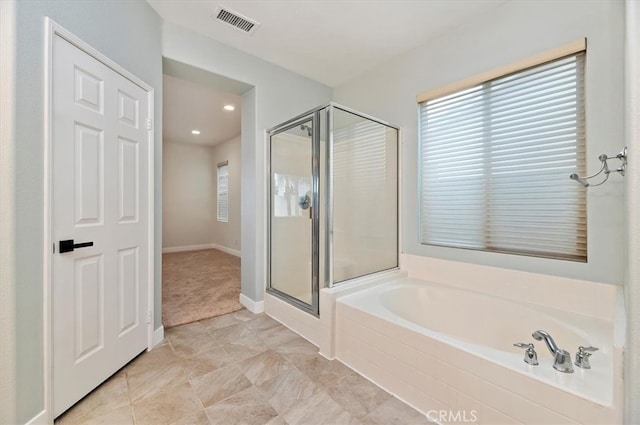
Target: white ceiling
x,y
330,41
188,105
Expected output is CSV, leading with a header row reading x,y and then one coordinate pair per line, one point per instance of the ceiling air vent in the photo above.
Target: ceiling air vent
x,y
236,20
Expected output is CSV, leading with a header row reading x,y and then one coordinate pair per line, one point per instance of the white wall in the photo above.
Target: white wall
x,y
227,235
506,34
632,288
129,34
277,96
188,195
7,214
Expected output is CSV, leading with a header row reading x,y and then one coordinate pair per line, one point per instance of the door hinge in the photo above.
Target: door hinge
x,y
148,317
149,123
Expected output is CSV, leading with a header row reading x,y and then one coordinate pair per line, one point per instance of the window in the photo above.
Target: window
x,y
223,192
495,162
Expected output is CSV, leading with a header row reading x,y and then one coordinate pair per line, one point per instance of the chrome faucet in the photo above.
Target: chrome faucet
x,y
562,358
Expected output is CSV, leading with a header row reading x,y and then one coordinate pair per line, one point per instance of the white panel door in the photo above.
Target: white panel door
x,y
100,195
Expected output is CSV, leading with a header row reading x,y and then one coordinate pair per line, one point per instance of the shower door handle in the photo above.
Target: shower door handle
x,y
304,202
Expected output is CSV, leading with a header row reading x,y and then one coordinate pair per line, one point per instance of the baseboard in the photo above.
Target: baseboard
x,y
158,336
188,248
256,307
39,419
227,250
199,247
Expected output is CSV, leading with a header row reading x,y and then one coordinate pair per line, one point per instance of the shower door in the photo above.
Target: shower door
x,y
294,213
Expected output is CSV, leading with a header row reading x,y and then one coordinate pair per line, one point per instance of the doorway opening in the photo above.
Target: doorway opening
x,y
201,194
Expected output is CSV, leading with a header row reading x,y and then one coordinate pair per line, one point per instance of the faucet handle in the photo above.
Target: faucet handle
x,y
589,350
530,355
582,356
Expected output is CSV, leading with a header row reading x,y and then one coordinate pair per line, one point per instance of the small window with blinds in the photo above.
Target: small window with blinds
x,y
495,162
223,192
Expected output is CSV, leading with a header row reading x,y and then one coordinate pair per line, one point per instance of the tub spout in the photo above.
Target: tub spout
x,y
551,344
562,358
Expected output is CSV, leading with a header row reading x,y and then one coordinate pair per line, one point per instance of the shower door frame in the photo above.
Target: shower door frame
x,y
315,114
314,117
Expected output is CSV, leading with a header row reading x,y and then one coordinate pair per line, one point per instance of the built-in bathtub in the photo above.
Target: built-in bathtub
x,y
446,349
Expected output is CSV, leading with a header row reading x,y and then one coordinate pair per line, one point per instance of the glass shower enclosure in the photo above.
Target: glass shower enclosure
x,y
333,202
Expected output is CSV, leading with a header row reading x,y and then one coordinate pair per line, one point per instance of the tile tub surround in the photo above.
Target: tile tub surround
x,y
321,330
431,372
238,369
591,299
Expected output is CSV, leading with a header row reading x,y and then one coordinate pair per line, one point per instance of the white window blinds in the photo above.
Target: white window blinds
x,y
223,192
495,160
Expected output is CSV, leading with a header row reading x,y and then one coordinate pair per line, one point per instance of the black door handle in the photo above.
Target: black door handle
x,y
69,246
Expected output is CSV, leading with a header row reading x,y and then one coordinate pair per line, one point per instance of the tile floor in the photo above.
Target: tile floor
x,y
238,369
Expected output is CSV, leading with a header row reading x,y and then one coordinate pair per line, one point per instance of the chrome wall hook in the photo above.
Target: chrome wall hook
x,y
604,169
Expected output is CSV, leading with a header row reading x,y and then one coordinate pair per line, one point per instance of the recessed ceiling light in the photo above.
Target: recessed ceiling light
x,y
195,132
229,107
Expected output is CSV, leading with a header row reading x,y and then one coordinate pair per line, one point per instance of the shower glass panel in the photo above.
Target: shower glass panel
x,y
333,202
293,213
365,196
